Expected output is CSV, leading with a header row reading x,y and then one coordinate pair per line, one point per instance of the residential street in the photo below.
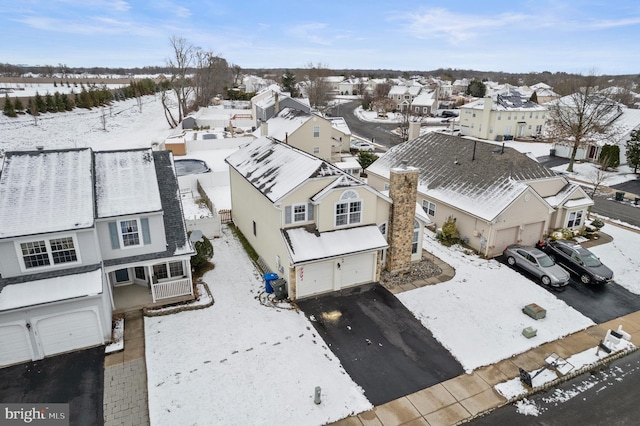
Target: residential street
x,y
378,132
605,397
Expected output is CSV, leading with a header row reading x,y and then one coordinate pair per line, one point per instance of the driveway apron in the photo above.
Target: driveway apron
x,y
379,342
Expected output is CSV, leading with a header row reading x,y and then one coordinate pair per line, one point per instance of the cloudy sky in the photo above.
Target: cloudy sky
x,y
514,36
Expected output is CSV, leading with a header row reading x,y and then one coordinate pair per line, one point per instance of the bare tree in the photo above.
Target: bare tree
x,y
212,76
596,177
180,80
583,117
237,71
361,86
318,87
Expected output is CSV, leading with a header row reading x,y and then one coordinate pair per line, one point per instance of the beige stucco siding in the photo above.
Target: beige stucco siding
x,y
303,138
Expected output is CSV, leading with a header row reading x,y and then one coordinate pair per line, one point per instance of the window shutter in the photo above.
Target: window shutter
x,y
113,233
310,211
287,214
146,235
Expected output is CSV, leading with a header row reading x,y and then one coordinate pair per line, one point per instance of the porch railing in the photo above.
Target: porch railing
x,y
169,289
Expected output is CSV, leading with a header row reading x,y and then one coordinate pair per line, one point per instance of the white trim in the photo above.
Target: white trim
x,y
293,212
47,241
121,240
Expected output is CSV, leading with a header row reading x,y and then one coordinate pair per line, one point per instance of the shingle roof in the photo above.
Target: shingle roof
x,y
46,191
478,177
174,226
275,169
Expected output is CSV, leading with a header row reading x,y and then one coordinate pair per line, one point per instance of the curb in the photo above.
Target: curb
x,y
600,363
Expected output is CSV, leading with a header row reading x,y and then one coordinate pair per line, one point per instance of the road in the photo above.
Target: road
x,y
624,211
605,397
380,133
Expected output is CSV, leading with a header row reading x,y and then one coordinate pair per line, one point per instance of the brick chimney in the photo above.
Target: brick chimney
x,y
403,187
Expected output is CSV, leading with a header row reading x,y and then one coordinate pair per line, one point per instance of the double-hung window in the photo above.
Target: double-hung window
x,y
416,235
129,230
54,251
299,212
316,131
429,207
575,219
348,209
129,233
163,271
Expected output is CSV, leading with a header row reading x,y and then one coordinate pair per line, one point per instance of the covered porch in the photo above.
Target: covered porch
x,y
151,284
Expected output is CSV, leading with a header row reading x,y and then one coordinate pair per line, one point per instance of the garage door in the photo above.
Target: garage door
x,y
504,237
68,332
357,269
314,278
16,344
532,233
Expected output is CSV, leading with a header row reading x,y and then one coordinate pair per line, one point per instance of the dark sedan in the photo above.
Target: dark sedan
x,y
577,259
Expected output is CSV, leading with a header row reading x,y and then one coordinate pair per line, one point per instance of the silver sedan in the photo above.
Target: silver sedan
x,y
537,263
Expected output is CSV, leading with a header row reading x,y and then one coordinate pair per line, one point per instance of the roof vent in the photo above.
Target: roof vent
x,y
403,164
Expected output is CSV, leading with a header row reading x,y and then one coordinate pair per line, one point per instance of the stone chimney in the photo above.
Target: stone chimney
x,y
414,130
264,129
403,187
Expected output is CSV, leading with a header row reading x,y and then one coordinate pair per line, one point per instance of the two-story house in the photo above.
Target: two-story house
x,y
323,137
82,233
403,96
497,195
505,116
317,227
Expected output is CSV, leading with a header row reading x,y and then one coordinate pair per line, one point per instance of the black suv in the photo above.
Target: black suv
x,y
577,259
449,114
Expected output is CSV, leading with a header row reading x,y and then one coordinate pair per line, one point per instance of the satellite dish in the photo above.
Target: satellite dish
x,y
195,236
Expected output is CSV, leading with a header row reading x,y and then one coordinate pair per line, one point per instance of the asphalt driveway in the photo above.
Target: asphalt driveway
x,y
601,303
76,378
379,342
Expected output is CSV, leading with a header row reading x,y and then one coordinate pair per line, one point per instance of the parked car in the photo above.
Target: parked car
x,y
362,146
449,114
577,259
537,263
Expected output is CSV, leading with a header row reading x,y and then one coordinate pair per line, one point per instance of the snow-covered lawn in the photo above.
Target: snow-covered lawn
x,y
621,255
478,314
239,362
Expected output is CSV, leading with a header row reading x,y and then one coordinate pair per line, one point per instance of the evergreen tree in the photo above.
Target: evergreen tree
x,y
288,83
40,104
633,151
50,104
534,97
18,105
476,88
9,111
67,102
59,103
609,156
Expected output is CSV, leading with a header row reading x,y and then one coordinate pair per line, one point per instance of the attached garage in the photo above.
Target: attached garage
x,y
357,269
68,331
314,278
336,274
504,237
16,343
532,233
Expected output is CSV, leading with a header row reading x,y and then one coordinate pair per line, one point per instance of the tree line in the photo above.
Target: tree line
x,y
86,98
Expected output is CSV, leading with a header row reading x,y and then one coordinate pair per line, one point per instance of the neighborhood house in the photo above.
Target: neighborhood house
x,y
317,227
83,234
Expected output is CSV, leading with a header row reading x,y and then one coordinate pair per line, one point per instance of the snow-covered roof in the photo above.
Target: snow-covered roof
x,y
308,245
425,98
286,122
507,101
580,202
53,289
46,191
339,123
126,183
275,168
478,177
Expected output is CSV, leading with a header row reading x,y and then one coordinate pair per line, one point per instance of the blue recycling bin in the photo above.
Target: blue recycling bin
x,y
269,277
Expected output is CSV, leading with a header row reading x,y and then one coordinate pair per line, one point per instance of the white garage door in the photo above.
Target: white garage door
x,y
68,332
357,269
16,344
504,237
314,278
532,233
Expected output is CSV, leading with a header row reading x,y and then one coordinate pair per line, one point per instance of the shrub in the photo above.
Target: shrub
x,y
204,253
597,223
449,235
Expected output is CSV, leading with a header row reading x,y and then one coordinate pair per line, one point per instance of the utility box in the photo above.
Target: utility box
x,y
280,288
534,311
619,196
529,332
